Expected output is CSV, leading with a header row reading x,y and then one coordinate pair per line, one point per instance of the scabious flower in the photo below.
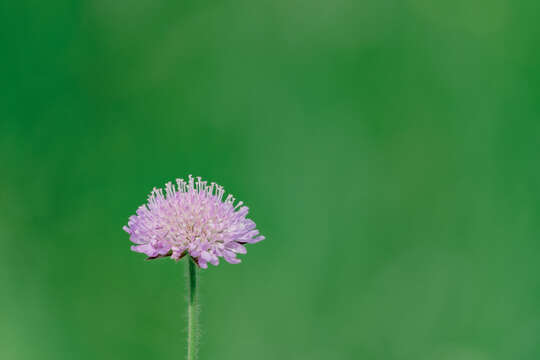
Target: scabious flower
x,y
193,219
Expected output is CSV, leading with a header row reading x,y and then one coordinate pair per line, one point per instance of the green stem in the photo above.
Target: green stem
x,y
193,310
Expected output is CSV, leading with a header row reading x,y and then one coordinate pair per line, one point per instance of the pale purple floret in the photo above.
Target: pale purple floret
x,y
193,219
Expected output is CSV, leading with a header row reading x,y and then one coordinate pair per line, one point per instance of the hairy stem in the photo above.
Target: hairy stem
x,y
193,309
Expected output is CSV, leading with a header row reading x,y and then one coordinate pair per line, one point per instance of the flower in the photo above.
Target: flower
x,y
192,219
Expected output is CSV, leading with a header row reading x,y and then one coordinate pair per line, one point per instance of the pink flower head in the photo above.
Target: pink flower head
x,y
192,219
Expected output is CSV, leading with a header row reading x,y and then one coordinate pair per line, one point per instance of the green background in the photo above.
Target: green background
x,y
388,151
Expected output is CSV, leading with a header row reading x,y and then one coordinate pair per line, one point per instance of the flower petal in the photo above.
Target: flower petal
x,y
202,263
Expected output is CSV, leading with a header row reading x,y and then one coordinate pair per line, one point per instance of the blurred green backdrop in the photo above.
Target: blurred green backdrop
x,y
388,150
